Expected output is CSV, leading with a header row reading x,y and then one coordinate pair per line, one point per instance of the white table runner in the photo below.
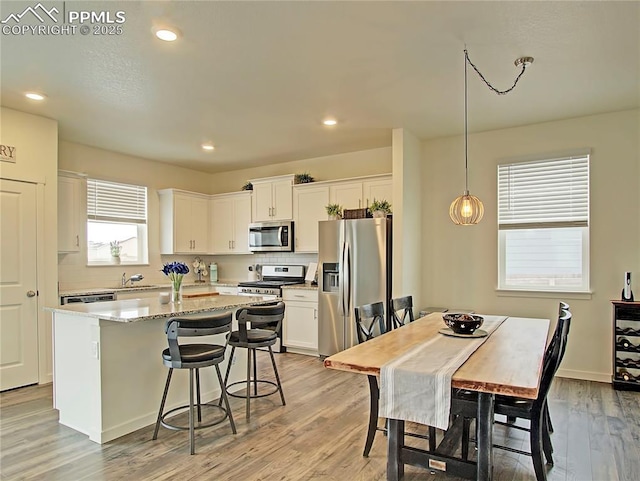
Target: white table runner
x,y
417,385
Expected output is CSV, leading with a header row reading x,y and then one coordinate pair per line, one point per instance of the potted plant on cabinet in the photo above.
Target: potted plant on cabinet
x,y
116,248
334,211
380,208
304,178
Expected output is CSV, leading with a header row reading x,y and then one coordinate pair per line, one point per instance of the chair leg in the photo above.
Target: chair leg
x,y
548,417
275,371
225,398
511,419
164,398
255,373
248,403
547,447
226,375
192,437
198,395
536,446
374,396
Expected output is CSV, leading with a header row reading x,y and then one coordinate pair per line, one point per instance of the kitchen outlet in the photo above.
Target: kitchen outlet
x,y
95,352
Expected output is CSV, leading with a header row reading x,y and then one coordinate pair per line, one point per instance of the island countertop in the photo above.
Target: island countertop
x,y
133,310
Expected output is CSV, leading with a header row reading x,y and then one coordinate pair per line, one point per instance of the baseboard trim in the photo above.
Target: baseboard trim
x,y
584,375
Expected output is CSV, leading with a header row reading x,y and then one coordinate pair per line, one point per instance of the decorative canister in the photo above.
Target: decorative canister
x,y
213,273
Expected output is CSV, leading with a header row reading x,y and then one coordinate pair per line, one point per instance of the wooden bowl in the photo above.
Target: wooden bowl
x,y
462,323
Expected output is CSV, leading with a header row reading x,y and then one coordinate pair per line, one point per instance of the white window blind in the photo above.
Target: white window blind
x,y
115,202
544,194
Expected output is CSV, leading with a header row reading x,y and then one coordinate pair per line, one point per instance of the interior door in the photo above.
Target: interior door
x,y
18,289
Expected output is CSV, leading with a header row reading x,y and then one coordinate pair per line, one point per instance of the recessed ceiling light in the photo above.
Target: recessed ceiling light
x,y
35,96
208,147
330,122
167,34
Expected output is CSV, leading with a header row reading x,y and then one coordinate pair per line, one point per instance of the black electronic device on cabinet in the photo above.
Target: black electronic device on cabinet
x,y
626,345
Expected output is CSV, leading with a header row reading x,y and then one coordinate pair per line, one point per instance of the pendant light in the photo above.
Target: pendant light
x,y
467,209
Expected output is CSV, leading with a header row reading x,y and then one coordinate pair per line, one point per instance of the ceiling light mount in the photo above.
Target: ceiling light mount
x,y
35,95
166,33
523,61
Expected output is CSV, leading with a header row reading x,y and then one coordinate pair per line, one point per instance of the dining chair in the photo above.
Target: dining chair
x,y
265,325
194,357
533,410
401,311
370,323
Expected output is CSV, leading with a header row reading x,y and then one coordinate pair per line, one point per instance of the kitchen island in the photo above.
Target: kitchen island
x,y
108,372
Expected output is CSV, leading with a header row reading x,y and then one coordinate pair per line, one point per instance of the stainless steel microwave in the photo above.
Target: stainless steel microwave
x,y
271,236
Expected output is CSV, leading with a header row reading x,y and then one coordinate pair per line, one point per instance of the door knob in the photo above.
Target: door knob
x,y
31,293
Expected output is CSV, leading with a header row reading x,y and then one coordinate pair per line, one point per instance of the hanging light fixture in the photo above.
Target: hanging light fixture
x,y
467,209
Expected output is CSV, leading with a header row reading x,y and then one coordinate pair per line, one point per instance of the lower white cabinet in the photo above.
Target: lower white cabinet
x,y
300,328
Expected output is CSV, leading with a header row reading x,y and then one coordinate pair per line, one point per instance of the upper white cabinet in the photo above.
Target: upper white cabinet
x,y
272,198
184,222
379,189
70,207
358,194
309,203
229,226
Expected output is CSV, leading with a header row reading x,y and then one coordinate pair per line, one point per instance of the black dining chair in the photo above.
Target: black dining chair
x,y
401,311
194,357
533,410
370,323
266,325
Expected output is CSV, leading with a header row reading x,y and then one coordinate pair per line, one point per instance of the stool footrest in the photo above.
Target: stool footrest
x,y
253,396
197,425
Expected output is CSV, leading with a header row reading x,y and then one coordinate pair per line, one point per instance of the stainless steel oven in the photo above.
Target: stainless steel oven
x,y
271,236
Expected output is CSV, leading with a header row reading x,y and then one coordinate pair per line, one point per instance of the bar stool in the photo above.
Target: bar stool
x,y
251,339
194,357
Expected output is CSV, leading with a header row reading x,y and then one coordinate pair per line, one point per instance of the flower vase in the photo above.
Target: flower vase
x,y
115,259
176,292
378,214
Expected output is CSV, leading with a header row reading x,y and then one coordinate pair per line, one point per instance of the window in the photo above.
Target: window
x,y
543,225
116,213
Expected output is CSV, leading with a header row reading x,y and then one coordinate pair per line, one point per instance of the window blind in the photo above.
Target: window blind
x,y
547,193
114,202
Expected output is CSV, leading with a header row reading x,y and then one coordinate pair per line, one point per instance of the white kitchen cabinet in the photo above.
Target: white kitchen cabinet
x,y
300,324
378,189
70,208
309,208
184,222
273,198
359,193
229,225
346,194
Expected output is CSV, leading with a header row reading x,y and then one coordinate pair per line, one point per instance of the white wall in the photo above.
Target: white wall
x,y
36,140
407,216
460,262
331,167
107,165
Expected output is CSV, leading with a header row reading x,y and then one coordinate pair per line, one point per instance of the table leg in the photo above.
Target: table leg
x,y
395,467
485,436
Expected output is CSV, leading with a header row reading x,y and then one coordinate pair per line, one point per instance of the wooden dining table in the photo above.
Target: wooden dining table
x,y
508,363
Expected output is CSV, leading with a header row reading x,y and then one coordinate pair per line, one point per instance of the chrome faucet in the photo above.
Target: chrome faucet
x,y
132,279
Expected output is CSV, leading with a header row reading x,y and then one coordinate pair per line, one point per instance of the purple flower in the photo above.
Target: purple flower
x,y
175,268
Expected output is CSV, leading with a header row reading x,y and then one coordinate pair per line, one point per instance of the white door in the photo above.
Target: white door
x,y
282,200
221,228
241,221
349,196
309,208
18,300
262,202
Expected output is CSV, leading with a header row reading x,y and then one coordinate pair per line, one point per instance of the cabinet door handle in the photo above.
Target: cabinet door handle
x,y
274,211
194,244
359,203
315,313
77,241
229,245
233,244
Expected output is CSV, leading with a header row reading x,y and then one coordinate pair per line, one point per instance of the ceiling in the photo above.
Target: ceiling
x,y
257,78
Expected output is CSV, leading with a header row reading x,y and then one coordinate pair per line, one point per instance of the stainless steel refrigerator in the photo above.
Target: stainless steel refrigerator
x,y
354,262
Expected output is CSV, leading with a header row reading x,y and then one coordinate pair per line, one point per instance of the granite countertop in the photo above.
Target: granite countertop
x,y
309,287
143,287
133,310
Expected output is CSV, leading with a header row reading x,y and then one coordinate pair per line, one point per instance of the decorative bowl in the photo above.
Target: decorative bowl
x,y
462,323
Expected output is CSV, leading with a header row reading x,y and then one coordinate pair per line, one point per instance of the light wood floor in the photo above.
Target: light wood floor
x,y
318,435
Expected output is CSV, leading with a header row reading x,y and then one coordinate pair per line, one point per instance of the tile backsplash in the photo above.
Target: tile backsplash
x,y
233,268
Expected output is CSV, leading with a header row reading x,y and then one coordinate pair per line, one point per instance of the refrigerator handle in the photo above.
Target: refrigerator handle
x,y
341,306
347,280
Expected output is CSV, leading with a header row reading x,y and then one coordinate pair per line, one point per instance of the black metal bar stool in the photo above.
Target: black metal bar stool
x,y
260,317
194,357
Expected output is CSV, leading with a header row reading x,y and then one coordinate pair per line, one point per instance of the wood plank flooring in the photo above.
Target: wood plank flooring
x,y
318,435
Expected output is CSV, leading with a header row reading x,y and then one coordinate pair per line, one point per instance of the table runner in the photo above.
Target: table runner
x,y
417,385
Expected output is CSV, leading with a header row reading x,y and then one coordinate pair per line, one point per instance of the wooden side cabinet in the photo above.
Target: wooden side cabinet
x,y
626,345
